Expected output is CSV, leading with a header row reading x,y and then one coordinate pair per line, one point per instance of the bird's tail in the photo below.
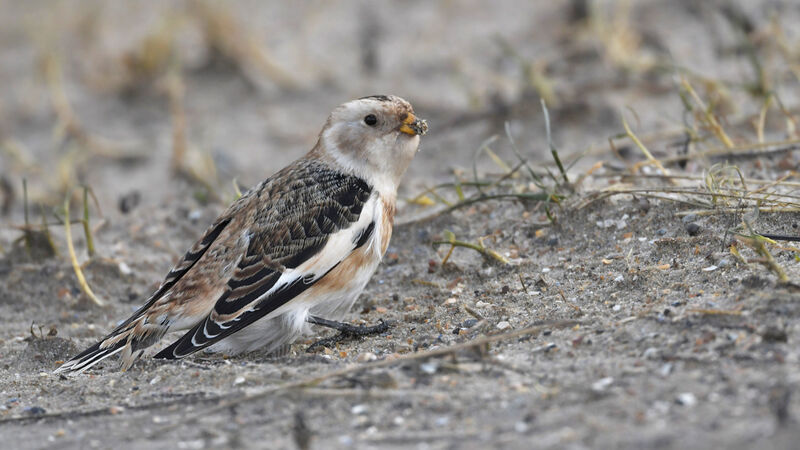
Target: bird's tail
x,y
130,338
92,356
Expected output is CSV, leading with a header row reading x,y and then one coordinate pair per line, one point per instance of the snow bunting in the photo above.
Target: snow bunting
x,y
297,249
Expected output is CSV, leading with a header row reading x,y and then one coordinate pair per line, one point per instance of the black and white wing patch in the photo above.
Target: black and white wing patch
x,y
303,236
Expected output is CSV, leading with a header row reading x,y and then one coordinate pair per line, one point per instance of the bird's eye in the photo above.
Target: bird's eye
x,y
370,120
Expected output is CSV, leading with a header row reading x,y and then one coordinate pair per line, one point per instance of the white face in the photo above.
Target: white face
x,y
376,137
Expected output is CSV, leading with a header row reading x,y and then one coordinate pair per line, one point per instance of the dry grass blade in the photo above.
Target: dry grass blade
x,y
715,312
724,189
450,239
754,150
19,155
236,42
738,210
27,232
176,91
68,123
643,148
480,149
87,230
550,145
236,191
541,197
202,173
74,260
782,237
707,115
46,230
758,244
536,178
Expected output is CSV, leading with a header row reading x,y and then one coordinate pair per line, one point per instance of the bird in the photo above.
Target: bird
x,y
295,250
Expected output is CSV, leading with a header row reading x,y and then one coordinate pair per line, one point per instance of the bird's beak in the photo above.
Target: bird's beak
x,y
414,126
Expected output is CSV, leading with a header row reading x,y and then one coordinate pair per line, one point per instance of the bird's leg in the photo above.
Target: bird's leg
x,y
346,330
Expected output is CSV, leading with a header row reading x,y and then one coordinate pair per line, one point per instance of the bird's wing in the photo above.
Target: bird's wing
x,y
305,229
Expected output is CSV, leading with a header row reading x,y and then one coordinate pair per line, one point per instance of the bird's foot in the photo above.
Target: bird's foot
x,y
346,331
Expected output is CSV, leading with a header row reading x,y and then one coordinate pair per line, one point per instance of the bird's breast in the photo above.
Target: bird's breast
x,y
386,221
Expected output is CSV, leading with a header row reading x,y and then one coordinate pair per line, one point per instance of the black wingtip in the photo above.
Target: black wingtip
x,y
167,353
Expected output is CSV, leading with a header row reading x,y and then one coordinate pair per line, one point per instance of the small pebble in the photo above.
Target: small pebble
x,y
195,215
661,231
774,333
35,410
686,399
650,353
619,279
429,367
665,370
238,380
366,357
724,262
469,323
602,384
693,229
124,268
689,218
359,409
129,201
643,204
503,325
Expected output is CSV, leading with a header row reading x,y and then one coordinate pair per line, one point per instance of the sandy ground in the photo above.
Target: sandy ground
x,y
612,325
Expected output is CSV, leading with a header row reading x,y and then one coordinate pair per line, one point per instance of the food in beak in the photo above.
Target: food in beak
x,y
414,126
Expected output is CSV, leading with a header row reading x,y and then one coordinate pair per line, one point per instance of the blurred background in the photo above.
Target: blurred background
x,y
151,104
676,122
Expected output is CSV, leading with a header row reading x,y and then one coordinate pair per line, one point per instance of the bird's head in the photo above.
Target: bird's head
x,y
373,137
